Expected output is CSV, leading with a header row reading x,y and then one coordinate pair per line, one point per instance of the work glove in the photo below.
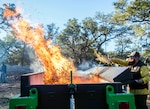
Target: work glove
x,y
137,81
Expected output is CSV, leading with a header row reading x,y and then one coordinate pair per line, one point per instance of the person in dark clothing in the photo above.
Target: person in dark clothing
x,y
3,70
141,77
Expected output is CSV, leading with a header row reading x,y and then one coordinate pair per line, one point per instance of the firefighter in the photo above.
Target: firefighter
x,y
141,77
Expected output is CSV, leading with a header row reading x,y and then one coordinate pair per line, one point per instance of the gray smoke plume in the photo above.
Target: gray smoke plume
x,y
35,65
86,65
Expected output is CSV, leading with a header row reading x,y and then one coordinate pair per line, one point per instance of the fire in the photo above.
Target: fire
x,y
91,79
56,67
8,12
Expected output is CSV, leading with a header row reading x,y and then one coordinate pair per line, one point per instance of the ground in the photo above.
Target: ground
x,y
8,90
12,85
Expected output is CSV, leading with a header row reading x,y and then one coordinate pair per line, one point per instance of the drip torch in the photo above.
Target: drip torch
x,y
72,89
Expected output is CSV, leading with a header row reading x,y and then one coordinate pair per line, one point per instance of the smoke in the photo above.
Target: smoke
x,y
89,68
86,65
86,68
36,65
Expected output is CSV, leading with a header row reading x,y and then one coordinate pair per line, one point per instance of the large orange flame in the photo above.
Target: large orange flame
x,y
56,67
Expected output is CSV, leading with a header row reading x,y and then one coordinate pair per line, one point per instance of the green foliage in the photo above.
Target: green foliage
x,y
139,11
4,25
123,45
13,51
6,44
78,40
136,14
133,11
75,41
146,56
51,32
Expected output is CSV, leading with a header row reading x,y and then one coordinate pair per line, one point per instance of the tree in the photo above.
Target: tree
x,y
110,30
13,51
6,44
79,39
51,32
18,52
146,55
123,45
135,13
4,24
69,39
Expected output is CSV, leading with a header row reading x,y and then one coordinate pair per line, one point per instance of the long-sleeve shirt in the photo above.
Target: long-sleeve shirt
x,y
144,72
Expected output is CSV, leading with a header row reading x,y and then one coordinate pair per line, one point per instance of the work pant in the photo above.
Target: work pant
x,y
140,101
2,77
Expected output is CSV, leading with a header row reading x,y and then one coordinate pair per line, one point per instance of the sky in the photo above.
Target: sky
x,y
59,11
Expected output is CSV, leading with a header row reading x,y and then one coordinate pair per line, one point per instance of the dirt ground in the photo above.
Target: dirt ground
x,y
12,85
8,90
